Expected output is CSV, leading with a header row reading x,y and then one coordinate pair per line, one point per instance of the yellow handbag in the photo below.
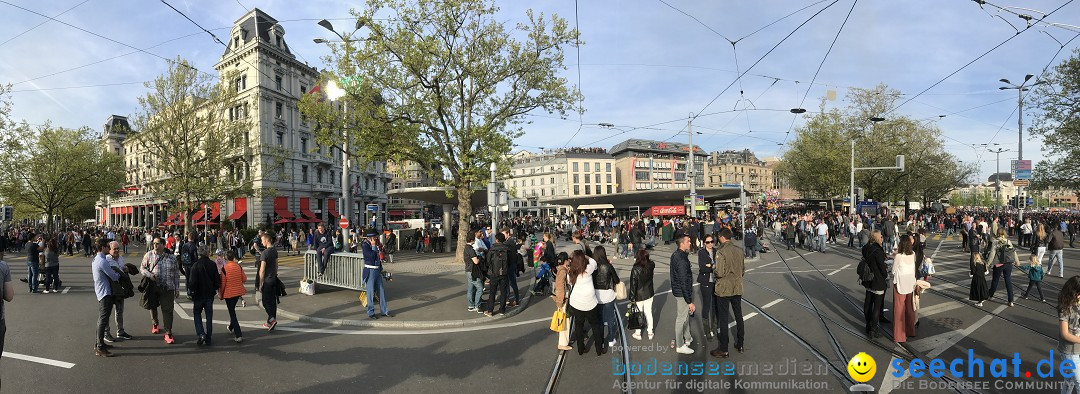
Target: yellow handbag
x,y
558,320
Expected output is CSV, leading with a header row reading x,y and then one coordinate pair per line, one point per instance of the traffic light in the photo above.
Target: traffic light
x,y
9,213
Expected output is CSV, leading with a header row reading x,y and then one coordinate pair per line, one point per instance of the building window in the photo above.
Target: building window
x,y
318,175
587,177
277,81
552,181
577,190
597,178
641,175
586,165
303,148
279,110
278,41
281,139
608,178
607,167
576,178
608,189
303,174
303,89
597,189
236,42
587,188
575,168
596,166
332,178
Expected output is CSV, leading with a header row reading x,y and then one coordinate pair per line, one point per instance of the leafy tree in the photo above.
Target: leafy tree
x,y
451,82
1057,103
192,132
51,170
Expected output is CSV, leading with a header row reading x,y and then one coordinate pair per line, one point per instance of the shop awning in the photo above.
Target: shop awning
x,y
215,210
281,208
198,214
283,221
305,210
331,205
396,213
206,223
240,210
673,210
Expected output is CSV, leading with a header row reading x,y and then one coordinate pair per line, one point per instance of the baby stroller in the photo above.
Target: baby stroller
x,y
543,281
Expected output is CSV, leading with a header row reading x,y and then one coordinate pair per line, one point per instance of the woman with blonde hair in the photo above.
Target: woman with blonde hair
x,y
1038,244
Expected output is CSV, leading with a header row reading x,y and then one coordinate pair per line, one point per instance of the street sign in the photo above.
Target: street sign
x,y
344,223
373,207
730,185
1021,182
1023,174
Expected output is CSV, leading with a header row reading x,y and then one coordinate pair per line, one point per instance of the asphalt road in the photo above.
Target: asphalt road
x,y
803,324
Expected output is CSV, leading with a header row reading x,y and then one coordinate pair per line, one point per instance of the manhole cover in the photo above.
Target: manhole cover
x,y
423,297
949,322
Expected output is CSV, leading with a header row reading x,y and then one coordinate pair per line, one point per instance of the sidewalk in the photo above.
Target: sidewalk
x,y
428,291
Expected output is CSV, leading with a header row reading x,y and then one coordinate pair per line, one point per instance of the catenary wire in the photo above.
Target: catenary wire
x,y
43,22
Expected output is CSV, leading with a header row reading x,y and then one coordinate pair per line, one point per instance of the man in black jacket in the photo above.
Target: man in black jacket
x,y
874,255
203,282
324,247
498,269
682,287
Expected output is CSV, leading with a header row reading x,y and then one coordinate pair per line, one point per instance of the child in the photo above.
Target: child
x,y
1034,271
1069,316
979,292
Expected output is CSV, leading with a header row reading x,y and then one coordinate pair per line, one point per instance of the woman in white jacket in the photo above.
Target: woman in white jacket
x,y
903,273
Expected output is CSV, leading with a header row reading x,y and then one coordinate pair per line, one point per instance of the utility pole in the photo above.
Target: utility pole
x,y
690,175
997,174
1020,89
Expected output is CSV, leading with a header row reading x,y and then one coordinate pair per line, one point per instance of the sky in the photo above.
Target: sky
x,y
646,66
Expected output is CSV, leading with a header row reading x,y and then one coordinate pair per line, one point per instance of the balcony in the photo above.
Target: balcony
x,y
325,187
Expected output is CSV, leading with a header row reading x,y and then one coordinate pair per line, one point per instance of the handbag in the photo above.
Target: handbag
x,y
928,266
307,287
558,320
620,291
635,318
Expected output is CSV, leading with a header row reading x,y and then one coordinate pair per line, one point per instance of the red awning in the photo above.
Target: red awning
x,y
198,215
215,210
673,210
240,210
309,217
331,205
281,208
283,221
206,224
396,213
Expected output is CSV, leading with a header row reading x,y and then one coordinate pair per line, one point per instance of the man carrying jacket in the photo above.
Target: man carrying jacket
x,y
682,287
729,270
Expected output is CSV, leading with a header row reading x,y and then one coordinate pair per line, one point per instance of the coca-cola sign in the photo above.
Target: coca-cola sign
x,y
675,210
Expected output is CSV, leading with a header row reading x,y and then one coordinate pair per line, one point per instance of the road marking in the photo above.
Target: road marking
x,y
841,269
774,302
775,262
66,289
38,360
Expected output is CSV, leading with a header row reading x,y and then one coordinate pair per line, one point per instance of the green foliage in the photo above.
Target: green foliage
x,y
1057,103
445,84
184,135
54,170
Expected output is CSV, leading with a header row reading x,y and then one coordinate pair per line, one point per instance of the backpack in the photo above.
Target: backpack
x,y
498,261
866,275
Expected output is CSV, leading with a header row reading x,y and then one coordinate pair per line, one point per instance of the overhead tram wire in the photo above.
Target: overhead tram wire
x,y
1018,33
581,104
78,87
820,65
43,22
171,61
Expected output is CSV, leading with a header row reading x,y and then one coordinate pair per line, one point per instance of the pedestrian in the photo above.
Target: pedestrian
x,y
161,267
707,283
33,253
390,245
103,275
979,291
874,255
903,276
474,279
116,261
822,230
1034,273
1039,242
1003,258
497,272
789,236
750,244
604,280
584,306
189,252
682,277
324,247
203,282
1056,245
560,295
516,265
7,293
268,281
373,276
729,271
1068,348
52,267
641,290
232,290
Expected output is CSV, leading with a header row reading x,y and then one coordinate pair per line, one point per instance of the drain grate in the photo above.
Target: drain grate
x,y
423,297
951,323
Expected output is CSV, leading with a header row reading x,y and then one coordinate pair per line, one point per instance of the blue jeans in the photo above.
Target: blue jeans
x,y
200,305
1056,258
475,291
374,284
31,275
624,250
609,320
513,275
821,242
1004,271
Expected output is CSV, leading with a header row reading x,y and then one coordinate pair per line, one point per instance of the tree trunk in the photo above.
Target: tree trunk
x,y
464,197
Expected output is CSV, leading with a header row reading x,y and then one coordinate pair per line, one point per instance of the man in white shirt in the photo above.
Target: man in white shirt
x,y
821,232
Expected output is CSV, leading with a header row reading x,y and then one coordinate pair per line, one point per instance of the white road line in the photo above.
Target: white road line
x,y
38,360
752,314
774,302
841,269
66,289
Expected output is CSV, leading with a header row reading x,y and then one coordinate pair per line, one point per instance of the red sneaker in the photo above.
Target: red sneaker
x,y
169,339
155,330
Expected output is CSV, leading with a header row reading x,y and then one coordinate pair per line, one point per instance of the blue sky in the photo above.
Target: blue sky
x,y
644,62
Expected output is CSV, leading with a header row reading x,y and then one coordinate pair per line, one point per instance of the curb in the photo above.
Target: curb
x,y
406,324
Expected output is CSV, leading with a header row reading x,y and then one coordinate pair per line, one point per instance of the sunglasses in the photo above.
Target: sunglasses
x,y
708,242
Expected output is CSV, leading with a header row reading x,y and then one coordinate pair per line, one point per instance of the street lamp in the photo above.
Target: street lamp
x,y
997,171
1020,89
851,196
493,198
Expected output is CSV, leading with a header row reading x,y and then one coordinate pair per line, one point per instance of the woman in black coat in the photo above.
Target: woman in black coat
x,y
874,254
706,283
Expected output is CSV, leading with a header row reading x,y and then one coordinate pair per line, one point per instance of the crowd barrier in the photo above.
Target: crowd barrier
x,y
342,270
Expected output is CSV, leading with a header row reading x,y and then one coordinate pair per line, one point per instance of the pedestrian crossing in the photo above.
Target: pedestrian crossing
x,y
940,237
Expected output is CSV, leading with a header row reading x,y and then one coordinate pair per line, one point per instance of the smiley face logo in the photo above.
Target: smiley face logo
x,y
862,367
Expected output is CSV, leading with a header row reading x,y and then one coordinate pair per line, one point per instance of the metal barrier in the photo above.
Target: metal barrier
x,y
342,270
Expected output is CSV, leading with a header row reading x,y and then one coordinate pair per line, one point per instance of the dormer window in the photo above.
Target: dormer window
x,y
236,42
278,41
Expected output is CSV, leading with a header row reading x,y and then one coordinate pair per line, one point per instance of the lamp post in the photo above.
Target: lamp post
x,y
997,172
1020,89
493,198
334,92
851,196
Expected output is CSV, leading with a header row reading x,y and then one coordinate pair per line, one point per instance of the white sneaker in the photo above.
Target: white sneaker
x,y
688,341
685,349
636,335
612,343
650,336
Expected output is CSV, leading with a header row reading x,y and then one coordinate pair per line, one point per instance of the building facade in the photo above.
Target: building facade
x,y
647,165
784,191
560,173
405,175
296,180
731,167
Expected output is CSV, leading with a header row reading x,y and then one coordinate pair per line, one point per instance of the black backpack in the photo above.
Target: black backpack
x,y
866,275
498,261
